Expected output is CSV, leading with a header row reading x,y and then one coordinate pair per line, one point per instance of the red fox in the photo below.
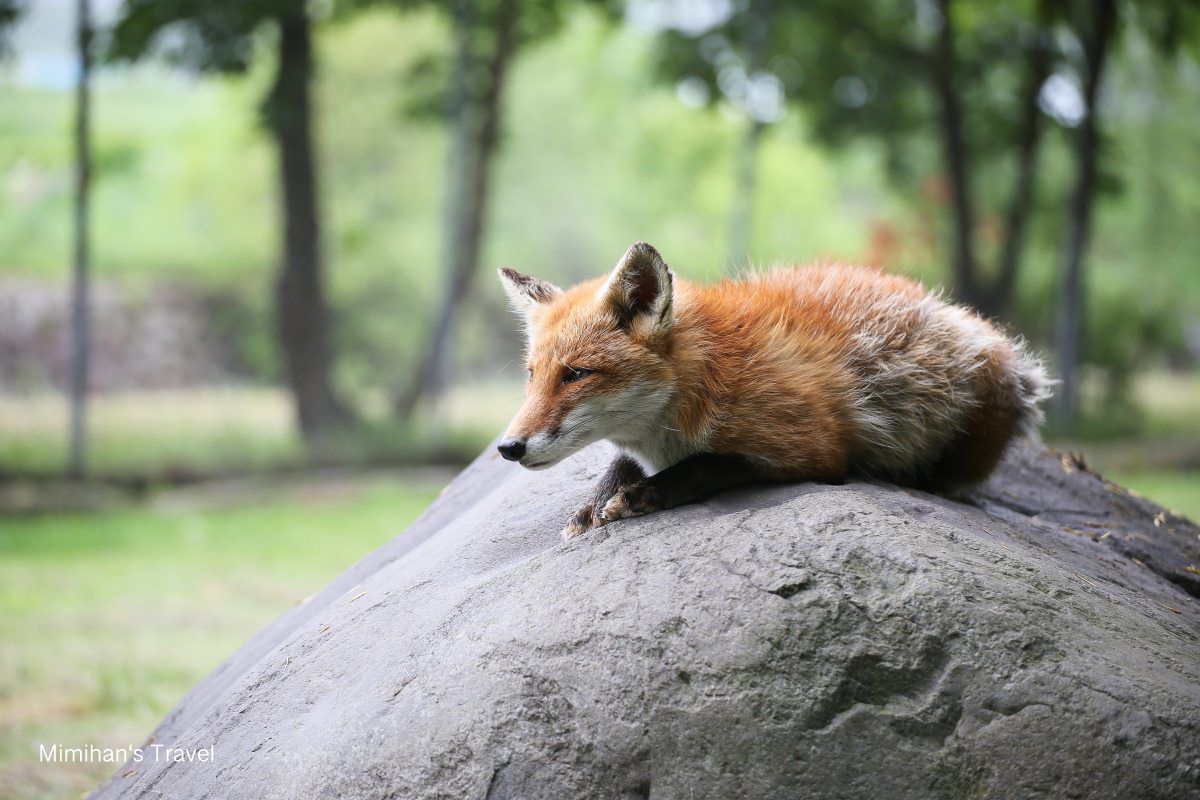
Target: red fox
x,y
814,373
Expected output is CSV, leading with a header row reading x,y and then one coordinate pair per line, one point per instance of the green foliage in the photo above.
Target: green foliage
x,y
208,36
864,72
476,23
870,71
182,182
1172,25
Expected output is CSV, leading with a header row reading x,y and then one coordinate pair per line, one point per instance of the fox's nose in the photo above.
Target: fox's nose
x,y
512,449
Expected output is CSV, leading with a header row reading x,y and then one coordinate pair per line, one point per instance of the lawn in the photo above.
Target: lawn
x,y
107,619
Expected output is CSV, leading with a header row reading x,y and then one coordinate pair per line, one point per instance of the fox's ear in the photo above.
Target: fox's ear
x,y
639,291
525,292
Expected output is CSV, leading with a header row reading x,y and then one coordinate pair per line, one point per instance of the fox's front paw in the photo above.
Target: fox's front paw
x,y
582,521
632,501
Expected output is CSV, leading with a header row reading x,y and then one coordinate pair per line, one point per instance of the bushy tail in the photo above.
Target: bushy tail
x,y
1035,387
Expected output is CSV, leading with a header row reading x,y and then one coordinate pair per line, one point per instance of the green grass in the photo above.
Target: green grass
x,y
107,619
1178,491
1163,461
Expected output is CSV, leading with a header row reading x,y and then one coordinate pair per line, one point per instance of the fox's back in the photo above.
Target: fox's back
x,y
825,302
857,363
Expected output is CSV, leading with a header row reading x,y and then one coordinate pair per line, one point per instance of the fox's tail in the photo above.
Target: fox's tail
x,y
1035,386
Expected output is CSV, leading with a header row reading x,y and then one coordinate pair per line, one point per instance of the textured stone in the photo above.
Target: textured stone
x,y
792,641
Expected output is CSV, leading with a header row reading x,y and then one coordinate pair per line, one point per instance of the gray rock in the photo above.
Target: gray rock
x,y
794,641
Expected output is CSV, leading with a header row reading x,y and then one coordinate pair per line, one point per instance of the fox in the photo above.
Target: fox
x,y
815,373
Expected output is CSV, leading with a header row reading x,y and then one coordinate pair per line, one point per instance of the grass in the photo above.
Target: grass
x,y
107,619
1178,491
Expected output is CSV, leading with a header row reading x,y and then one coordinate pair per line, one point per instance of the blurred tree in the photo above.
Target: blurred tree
x,y
485,41
80,327
1094,25
467,86
897,73
759,97
10,12
1095,28
739,63
979,79
220,35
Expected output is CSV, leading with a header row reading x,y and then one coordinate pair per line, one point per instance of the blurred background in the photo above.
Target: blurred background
x,y
248,318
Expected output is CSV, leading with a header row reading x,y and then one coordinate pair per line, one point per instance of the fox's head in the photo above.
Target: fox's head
x,y
597,358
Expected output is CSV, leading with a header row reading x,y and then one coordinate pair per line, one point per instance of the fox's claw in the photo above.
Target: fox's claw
x,y
632,501
582,521
616,508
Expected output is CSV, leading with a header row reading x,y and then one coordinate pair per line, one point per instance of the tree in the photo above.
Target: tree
x,y
734,62
760,99
487,36
10,13
1095,26
1095,29
80,322
219,35
485,41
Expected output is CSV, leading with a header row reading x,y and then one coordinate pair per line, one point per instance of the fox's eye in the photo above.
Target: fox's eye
x,y
529,373
575,374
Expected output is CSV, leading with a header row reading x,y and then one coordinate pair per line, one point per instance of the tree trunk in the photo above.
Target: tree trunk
x,y
1069,334
966,284
999,300
80,323
477,100
741,220
301,312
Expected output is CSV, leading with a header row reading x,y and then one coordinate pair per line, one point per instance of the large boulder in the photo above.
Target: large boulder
x,y
792,641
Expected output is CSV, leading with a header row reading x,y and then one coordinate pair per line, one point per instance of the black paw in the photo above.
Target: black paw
x,y
582,521
632,501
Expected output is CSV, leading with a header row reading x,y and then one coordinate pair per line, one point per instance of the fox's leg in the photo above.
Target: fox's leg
x,y
624,471
695,478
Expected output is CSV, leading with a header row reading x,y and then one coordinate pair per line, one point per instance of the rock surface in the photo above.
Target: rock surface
x,y
794,641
